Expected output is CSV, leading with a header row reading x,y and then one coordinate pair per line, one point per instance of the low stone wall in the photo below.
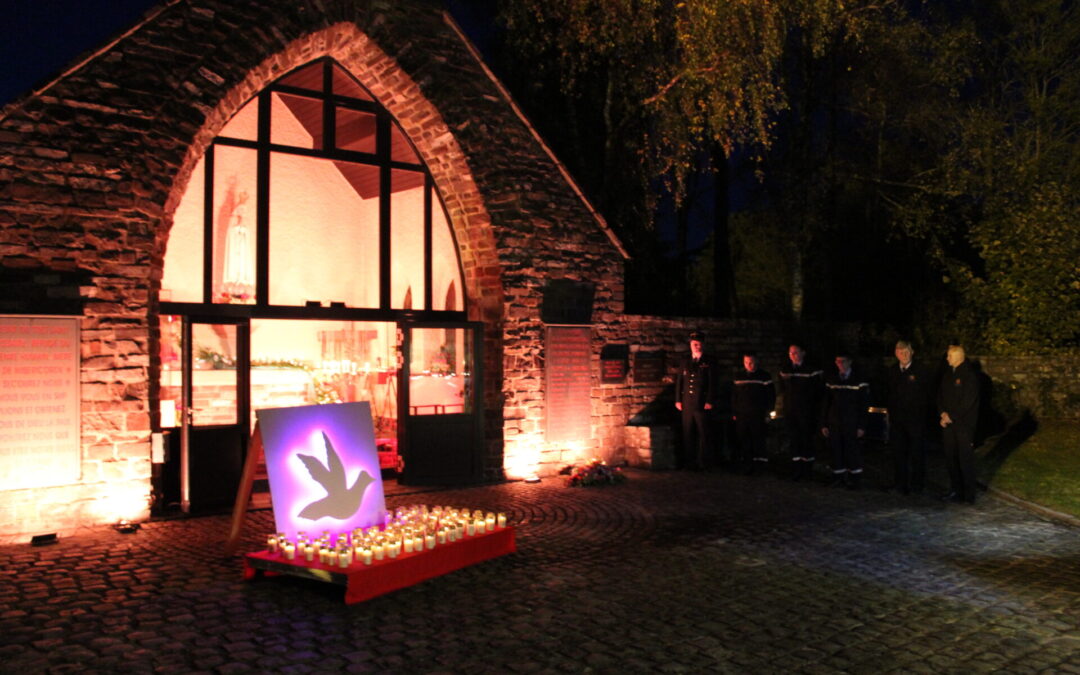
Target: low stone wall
x,y
635,421
1045,386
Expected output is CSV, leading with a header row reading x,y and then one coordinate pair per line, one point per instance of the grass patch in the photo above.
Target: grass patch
x,y
1044,468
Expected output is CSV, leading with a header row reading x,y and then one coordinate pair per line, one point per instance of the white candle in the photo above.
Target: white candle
x,y
470,528
331,557
441,536
490,520
430,541
377,550
500,520
408,544
309,553
365,556
345,557
271,544
290,551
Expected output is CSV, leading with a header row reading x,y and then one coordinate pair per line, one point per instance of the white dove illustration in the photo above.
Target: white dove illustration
x,y
340,502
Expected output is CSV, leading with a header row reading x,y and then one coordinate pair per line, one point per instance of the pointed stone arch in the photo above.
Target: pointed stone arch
x,y
419,119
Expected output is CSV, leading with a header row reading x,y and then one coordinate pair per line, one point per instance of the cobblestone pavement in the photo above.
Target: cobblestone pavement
x,y
669,572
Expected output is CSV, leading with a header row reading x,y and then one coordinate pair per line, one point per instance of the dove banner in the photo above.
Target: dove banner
x,y
323,467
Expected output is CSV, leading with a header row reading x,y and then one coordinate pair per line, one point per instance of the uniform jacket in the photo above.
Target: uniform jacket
x,y
909,394
959,395
696,383
752,394
802,387
846,401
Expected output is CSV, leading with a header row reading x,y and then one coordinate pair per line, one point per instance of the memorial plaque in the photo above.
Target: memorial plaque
x,y
567,352
39,401
614,363
649,367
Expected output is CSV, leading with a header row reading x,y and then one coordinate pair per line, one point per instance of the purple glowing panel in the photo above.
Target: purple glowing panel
x,y
323,467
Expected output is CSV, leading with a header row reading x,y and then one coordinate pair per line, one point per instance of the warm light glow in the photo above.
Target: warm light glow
x,y
574,452
122,503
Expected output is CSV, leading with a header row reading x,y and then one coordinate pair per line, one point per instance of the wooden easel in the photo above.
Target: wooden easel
x,y
243,491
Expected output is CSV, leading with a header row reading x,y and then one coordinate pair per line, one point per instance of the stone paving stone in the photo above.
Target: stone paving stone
x,y
669,572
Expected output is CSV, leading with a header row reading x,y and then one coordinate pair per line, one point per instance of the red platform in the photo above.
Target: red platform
x,y
363,582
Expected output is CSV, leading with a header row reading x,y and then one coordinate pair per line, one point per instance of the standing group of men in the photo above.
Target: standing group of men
x,y
833,408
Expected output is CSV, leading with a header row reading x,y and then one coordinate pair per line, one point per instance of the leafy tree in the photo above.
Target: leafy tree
x,y
999,206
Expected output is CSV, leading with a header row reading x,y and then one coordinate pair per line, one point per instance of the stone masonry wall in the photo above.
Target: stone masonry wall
x,y
1046,386
93,164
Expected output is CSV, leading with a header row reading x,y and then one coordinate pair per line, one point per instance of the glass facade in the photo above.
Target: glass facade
x,y
312,195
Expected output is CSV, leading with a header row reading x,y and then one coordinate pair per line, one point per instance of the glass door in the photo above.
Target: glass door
x,y
441,439
214,419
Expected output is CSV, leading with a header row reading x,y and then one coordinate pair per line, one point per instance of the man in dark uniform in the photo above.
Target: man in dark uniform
x,y
801,387
958,403
908,401
752,399
843,421
695,395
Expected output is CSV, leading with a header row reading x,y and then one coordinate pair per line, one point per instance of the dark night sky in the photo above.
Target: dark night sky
x,y
43,37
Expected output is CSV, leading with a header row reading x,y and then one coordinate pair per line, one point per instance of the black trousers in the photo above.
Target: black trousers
x,y
697,438
750,432
846,450
959,445
907,440
801,431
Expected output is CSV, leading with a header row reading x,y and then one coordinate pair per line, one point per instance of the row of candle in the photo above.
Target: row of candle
x,y
410,529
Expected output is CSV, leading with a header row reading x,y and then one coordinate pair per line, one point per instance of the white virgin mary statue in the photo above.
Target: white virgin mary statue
x,y
238,278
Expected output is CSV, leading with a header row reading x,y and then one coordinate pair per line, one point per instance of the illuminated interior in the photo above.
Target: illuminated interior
x,y
309,229
324,212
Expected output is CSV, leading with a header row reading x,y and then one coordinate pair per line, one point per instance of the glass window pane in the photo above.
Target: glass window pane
x,y
401,150
182,278
440,371
324,232
355,130
296,121
407,240
234,225
298,362
170,381
345,85
213,374
445,269
308,77
245,123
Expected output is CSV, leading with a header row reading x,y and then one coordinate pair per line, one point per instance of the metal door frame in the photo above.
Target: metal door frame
x,y
243,391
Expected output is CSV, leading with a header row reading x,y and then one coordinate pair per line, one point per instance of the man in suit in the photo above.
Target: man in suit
x,y
908,401
958,405
695,397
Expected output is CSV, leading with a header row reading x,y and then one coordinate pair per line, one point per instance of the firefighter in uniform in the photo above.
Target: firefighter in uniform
x,y
958,403
908,403
752,399
801,387
843,421
695,396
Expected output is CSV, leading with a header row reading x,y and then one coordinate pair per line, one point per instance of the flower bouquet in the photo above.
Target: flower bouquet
x,y
595,472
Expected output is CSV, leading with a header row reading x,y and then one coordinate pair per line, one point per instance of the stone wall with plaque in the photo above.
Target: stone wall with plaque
x,y
567,377
39,401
